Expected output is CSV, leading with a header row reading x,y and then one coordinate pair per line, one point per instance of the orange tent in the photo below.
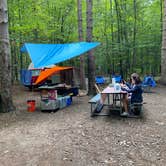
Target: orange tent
x,y
48,72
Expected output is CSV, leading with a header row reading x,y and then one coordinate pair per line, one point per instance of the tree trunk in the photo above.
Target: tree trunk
x,y
106,36
112,39
6,103
91,63
163,49
119,36
126,60
134,35
80,36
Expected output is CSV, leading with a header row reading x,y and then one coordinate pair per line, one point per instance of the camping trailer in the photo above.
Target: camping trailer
x,y
33,78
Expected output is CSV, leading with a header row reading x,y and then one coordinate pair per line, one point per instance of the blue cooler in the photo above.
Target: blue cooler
x,y
68,100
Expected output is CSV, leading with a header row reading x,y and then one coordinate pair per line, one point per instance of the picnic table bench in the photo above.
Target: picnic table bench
x,y
135,108
93,101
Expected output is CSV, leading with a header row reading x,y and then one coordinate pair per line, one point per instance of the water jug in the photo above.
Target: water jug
x,y
113,81
117,87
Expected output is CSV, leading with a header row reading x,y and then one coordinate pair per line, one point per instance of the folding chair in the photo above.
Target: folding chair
x,y
147,83
100,80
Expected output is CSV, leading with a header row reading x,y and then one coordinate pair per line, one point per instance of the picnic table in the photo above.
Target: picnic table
x,y
114,99
117,97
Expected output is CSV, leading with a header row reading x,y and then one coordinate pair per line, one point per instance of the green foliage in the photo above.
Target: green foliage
x,y
114,25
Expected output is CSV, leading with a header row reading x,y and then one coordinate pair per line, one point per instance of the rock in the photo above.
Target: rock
x,y
6,151
159,123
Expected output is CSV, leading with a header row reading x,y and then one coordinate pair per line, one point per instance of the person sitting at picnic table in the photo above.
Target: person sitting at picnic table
x,y
134,94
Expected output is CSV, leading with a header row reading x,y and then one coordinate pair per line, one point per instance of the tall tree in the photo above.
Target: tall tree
x,y
6,103
163,49
134,34
91,63
119,34
80,36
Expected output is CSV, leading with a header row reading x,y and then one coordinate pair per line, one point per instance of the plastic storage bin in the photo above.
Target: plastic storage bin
x,y
49,105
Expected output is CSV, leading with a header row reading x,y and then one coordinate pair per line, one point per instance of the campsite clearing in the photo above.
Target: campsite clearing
x,y
70,137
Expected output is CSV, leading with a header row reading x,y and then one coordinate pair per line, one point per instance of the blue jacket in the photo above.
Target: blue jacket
x,y
136,93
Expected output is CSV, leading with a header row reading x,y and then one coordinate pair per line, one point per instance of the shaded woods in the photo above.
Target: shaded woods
x,y
130,32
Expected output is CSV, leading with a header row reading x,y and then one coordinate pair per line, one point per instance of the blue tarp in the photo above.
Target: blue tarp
x,y
48,54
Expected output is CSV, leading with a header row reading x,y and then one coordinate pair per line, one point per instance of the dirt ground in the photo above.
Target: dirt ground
x,y
70,137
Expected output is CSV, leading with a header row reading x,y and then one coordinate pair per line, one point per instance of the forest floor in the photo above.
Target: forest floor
x,y
70,137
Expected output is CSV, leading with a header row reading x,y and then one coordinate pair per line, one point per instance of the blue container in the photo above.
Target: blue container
x,y
68,100
64,101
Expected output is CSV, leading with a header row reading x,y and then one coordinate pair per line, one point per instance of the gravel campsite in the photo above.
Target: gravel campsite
x,y
71,137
